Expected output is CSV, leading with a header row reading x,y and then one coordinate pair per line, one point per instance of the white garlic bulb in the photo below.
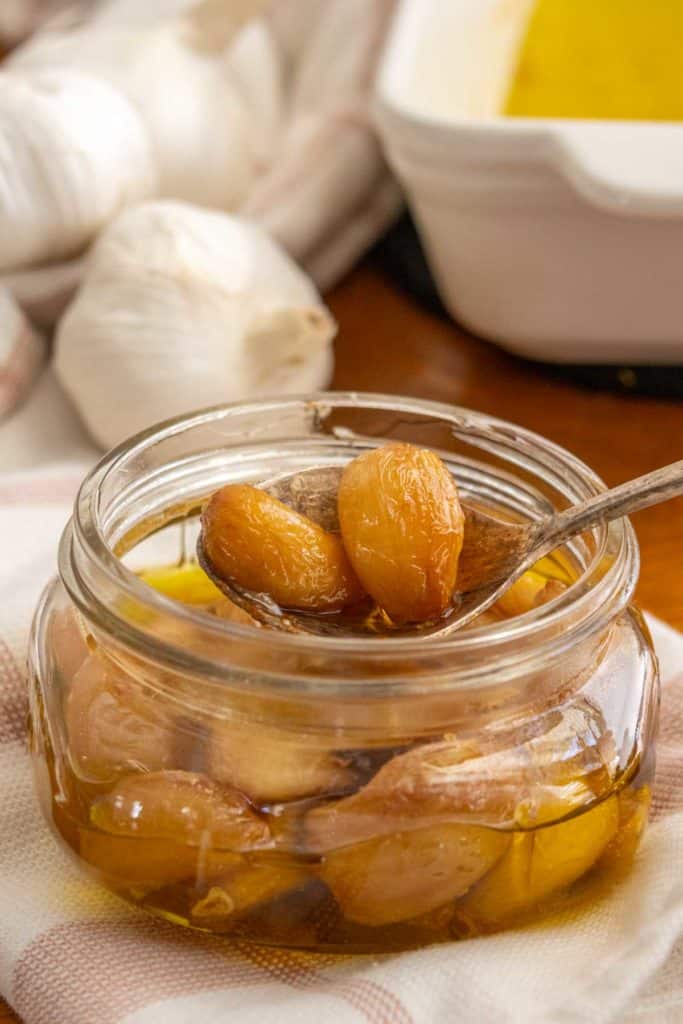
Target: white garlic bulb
x,y
73,152
132,12
182,308
210,106
19,18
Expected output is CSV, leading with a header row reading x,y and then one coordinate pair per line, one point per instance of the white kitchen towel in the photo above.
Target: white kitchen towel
x,y
72,954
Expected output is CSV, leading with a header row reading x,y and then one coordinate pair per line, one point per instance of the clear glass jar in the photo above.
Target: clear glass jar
x,y
367,794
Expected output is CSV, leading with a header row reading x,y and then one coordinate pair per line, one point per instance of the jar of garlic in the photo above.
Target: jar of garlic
x,y
367,792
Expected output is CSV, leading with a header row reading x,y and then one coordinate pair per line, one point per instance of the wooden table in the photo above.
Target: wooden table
x,y
6,1015
386,343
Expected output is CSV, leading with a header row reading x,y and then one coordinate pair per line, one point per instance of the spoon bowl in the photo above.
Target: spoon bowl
x,y
313,493
495,552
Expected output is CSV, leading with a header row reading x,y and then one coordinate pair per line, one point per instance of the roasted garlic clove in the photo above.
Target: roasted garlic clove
x,y
113,724
133,862
262,545
251,884
529,592
183,807
402,526
401,876
542,862
273,766
526,783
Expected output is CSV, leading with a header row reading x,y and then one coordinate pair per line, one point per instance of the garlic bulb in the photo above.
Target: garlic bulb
x,y
132,12
210,105
19,18
73,152
181,308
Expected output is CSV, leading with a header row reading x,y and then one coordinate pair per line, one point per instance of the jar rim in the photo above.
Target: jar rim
x,y
91,571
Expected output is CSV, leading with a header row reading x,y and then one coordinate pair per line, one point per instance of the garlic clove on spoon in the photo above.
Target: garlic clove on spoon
x,y
180,308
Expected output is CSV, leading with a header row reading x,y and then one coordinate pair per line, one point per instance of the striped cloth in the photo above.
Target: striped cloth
x,y
72,954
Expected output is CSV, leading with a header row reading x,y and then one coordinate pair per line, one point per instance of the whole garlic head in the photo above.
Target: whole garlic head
x,y
212,114
182,308
73,152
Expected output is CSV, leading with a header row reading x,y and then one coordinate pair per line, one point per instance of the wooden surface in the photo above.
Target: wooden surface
x,y
6,1015
387,343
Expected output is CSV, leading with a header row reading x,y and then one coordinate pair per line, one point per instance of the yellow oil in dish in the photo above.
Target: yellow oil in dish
x,y
601,59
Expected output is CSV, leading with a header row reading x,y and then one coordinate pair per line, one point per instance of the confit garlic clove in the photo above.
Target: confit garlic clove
x,y
529,592
402,527
273,766
262,545
398,877
184,807
543,779
133,862
250,885
71,644
542,862
113,724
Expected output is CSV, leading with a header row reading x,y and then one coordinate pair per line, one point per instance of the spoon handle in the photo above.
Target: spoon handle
x,y
651,489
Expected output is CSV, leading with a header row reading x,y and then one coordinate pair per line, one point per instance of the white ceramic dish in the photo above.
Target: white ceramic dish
x,y
561,240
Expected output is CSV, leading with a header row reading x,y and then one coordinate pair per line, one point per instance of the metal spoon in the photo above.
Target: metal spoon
x,y
494,555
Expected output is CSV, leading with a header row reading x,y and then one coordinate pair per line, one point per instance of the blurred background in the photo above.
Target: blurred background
x,y
186,186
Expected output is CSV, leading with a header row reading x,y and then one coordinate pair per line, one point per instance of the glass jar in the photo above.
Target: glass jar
x,y
364,794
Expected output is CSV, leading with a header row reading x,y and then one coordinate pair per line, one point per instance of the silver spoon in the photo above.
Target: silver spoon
x,y
495,552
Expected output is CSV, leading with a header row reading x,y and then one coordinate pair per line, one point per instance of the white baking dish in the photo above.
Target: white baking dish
x,y
561,240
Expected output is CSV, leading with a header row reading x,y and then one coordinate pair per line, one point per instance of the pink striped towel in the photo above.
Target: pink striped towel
x,y
72,954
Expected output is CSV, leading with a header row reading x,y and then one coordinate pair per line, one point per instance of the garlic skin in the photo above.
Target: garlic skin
x,y
45,291
183,308
22,353
132,12
19,18
73,153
